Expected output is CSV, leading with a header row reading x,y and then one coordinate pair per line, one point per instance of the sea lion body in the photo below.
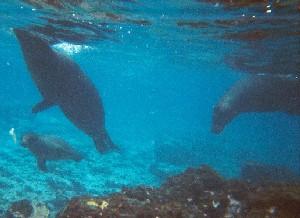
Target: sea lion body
x,y
48,147
61,82
259,93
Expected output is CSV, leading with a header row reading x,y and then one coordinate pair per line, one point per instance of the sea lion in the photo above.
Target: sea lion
x,y
260,173
61,82
48,147
258,93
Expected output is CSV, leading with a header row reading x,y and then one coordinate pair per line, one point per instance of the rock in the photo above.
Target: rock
x,y
40,210
164,170
274,201
27,209
20,209
194,193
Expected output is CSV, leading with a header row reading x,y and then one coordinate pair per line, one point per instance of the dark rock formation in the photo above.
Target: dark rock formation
x,y
27,209
195,193
22,208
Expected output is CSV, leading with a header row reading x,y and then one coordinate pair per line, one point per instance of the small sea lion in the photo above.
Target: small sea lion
x,y
61,82
258,93
48,147
260,173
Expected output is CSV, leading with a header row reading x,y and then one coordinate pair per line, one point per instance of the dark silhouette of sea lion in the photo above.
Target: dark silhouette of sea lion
x,y
259,93
260,173
47,147
61,82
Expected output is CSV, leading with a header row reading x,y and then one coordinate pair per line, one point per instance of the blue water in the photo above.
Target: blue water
x,y
158,84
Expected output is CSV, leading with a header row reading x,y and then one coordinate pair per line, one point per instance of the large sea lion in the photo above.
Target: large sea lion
x,y
259,93
61,82
48,147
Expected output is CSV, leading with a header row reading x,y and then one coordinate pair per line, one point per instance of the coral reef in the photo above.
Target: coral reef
x,y
195,193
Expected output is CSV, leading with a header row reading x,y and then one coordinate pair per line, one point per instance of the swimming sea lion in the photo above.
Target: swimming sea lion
x,y
47,147
61,82
259,93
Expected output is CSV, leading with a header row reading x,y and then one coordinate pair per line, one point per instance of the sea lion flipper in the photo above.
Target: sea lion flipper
x,y
42,164
104,143
43,105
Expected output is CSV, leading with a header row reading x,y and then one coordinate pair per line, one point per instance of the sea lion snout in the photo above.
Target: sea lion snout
x,y
221,117
217,126
27,139
24,140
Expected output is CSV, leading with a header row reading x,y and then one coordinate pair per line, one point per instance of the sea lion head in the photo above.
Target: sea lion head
x,y
28,139
222,115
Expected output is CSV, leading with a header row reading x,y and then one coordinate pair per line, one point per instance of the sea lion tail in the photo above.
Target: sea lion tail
x,y
104,143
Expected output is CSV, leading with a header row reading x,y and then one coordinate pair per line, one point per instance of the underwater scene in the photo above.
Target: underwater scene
x,y
150,109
